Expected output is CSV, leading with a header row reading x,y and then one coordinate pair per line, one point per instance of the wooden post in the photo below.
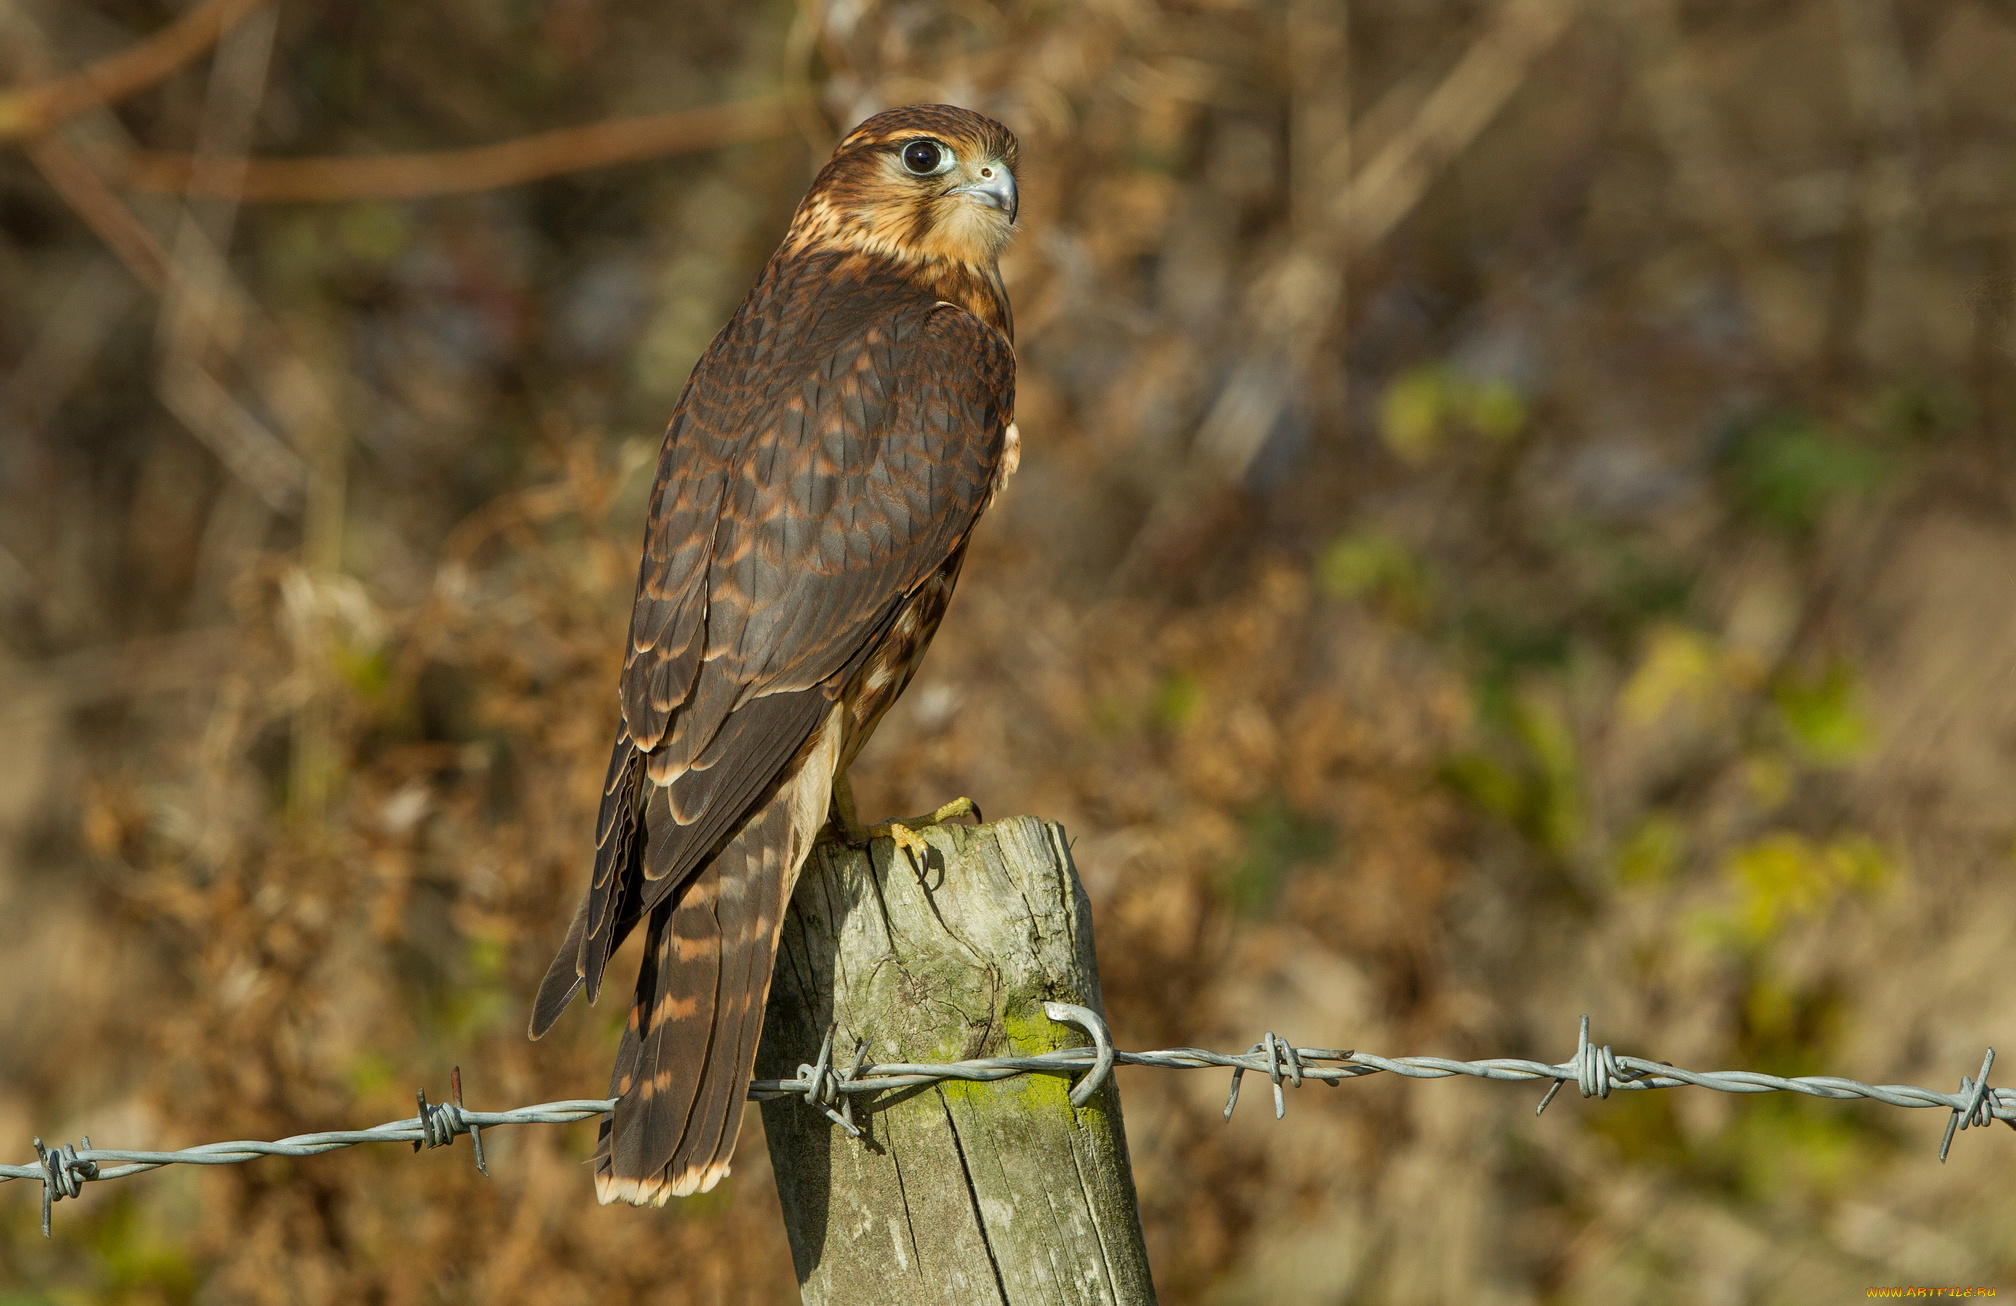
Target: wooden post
x,y
958,1192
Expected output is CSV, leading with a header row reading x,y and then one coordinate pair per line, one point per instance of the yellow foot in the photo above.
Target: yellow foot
x,y
904,833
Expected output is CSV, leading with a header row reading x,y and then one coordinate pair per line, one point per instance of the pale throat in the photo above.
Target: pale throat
x,y
960,230
955,254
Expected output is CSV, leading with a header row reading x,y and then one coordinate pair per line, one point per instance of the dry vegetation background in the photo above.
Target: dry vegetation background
x,y
1547,549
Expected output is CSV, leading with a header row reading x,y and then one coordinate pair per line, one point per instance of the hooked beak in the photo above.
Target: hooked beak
x,y
996,187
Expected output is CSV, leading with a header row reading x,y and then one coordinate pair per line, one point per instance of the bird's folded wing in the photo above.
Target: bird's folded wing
x,y
806,486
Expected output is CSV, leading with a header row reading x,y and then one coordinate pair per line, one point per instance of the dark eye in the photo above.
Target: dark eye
x,y
923,157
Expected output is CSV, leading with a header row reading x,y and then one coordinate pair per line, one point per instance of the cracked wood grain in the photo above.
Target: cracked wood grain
x,y
960,1193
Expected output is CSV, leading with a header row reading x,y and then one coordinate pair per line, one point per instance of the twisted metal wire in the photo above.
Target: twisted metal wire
x,y
831,1089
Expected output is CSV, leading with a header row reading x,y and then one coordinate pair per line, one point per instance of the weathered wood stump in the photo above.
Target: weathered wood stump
x,y
958,1192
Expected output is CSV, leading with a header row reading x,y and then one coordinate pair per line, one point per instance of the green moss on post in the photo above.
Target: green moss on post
x,y
962,1192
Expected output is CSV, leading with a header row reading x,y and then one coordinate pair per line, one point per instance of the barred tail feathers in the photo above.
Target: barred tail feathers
x,y
682,1072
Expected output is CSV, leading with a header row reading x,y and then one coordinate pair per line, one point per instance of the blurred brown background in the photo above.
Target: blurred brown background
x,y
1545,549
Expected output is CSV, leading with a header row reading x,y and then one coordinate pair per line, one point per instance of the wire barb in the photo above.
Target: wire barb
x,y
1066,1013
439,1122
63,1174
1232,1094
475,1130
1974,1112
824,1086
1596,1071
1278,1053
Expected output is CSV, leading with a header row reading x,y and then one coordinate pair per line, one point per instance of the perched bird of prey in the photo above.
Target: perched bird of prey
x,y
817,489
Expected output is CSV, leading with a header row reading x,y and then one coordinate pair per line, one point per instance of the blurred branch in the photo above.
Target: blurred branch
x,y
802,43
195,312
191,303
35,110
241,441
1880,89
237,438
1295,302
1294,305
532,505
1459,108
484,167
67,343
92,200
1710,186
224,311
202,303
114,671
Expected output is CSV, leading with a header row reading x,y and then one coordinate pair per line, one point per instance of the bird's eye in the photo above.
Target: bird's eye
x,y
923,157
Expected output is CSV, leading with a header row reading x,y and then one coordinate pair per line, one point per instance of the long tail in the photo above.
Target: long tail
x,y
682,1072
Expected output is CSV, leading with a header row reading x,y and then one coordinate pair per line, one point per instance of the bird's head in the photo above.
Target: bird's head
x,y
922,183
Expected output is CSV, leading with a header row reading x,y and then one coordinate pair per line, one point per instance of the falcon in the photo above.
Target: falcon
x,y
817,489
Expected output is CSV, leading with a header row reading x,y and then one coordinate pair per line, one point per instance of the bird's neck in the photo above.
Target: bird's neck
x,y
966,274
975,288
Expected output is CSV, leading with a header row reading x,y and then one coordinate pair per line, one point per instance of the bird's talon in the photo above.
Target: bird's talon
x,y
957,807
904,837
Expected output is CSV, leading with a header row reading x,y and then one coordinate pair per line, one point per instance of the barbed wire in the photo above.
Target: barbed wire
x,y
831,1089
